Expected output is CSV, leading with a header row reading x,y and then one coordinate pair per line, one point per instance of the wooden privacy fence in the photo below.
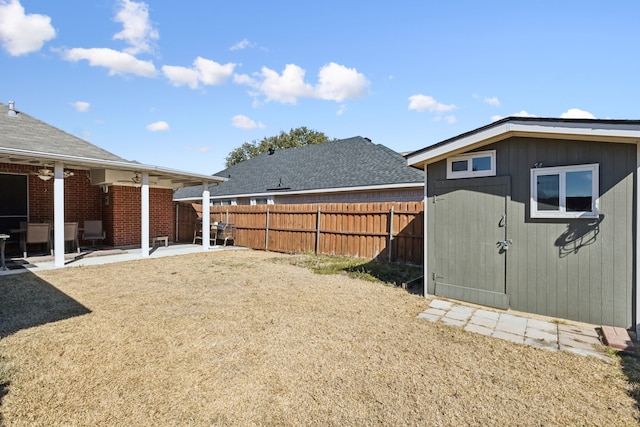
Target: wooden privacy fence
x,y
383,231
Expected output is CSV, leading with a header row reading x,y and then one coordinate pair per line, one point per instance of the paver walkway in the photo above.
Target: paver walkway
x,y
580,339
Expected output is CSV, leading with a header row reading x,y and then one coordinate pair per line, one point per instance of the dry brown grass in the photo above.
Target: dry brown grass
x,y
247,338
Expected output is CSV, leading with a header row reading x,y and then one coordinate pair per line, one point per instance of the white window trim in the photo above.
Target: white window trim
x,y
561,171
469,158
253,200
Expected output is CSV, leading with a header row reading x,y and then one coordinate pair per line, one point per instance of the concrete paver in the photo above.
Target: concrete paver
x,y
518,328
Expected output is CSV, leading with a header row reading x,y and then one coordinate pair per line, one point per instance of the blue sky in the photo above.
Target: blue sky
x,y
180,84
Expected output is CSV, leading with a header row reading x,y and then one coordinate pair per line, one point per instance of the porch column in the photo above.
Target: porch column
x,y
58,214
144,230
425,246
206,220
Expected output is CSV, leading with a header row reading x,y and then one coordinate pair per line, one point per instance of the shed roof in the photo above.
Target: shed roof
x,y
626,131
332,166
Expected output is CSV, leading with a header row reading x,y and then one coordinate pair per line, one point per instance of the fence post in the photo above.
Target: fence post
x,y
227,221
318,233
266,239
390,233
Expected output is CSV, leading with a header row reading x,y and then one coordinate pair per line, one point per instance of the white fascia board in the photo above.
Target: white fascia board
x,y
605,132
103,164
316,191
481,138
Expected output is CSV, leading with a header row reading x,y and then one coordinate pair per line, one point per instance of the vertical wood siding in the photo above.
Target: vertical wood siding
x,y
384,231
577,269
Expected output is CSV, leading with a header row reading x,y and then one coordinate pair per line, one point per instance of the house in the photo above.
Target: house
x,y
353,170
47,175
536,214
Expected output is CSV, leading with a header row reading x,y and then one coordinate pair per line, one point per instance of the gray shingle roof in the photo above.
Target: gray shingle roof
x,y
23,132
351,162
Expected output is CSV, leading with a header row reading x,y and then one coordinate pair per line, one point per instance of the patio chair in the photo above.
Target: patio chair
x,y
93,231
71,235
37,233
213,233
226,231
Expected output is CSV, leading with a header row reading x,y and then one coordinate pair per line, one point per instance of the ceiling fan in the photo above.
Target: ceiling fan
x,y
135,179
47,173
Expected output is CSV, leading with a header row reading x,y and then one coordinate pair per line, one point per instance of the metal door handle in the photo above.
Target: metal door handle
x,y
503,245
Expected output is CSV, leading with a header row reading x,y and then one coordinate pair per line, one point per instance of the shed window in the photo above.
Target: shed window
x,y
481,163
565,192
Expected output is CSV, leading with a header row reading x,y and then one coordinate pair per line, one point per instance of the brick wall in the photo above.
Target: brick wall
x,y
82,200
119,208
123,214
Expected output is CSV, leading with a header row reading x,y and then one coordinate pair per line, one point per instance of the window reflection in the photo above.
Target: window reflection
x,y
578,187
481,163
548,192
459,166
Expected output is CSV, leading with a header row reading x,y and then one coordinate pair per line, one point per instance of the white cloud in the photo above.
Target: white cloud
x,y
211,73
245,79
117,62
337,83
180,76
158,126
81,106
242,44
574,113
492,101
204,71
244,122
341,110
204,149
451,119
285,88
422,103
496,118
138,31
523,113
22,33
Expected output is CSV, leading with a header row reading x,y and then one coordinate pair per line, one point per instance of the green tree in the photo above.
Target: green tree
x,y
299,137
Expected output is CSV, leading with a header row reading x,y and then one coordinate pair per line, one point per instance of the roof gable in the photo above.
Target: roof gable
x,y
351,162
23,132
555,128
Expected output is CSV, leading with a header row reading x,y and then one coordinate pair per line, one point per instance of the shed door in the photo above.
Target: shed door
x,y
470,221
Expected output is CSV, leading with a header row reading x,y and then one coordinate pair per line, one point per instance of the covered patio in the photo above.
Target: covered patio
x,y
50,176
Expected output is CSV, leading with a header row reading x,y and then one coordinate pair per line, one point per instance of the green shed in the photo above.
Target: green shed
x,y
536,214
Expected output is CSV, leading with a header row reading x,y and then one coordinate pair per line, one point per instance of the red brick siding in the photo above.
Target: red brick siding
x,y
124,214
82,200
119,208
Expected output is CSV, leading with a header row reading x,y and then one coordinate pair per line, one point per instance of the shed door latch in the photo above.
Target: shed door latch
x,y
503,245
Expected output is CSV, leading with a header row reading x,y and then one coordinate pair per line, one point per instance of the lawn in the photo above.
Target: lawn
x,y
258,338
